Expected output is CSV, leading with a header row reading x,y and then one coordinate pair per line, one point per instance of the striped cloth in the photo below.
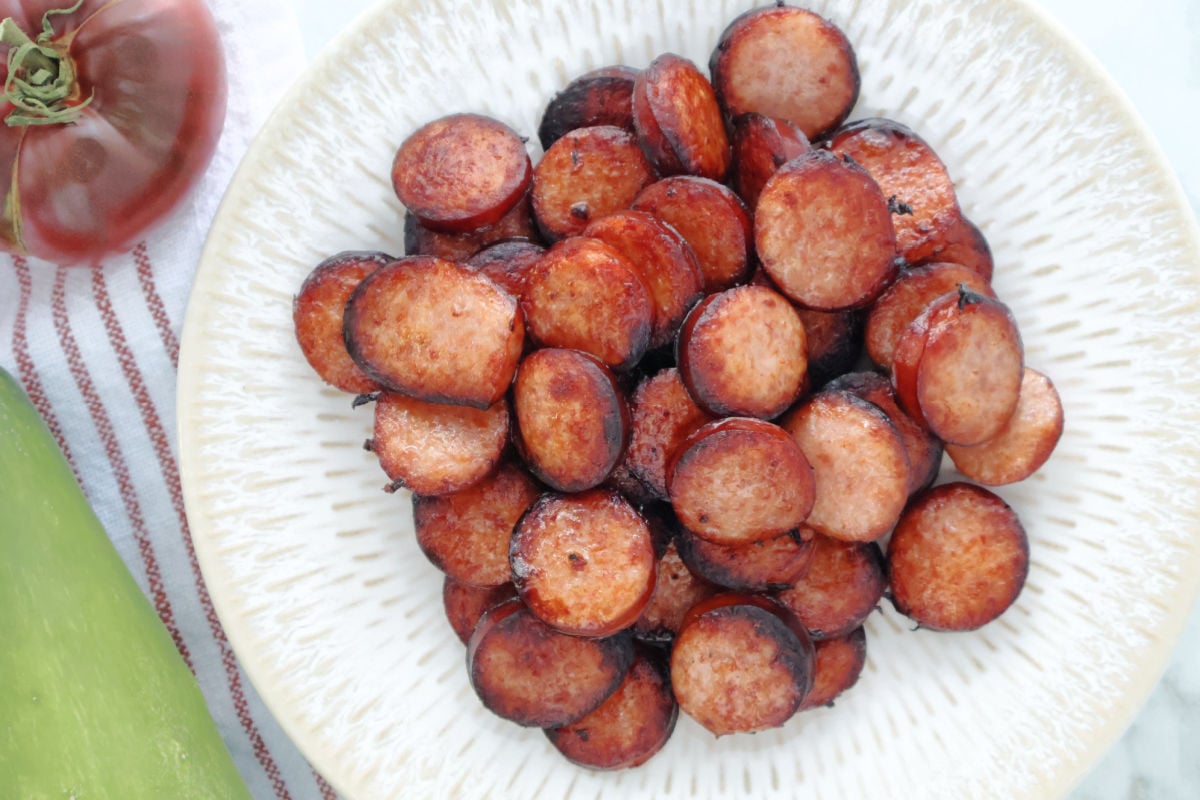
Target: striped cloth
x,y
97,352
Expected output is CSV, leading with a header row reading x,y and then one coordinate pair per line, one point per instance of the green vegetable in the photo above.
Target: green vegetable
x,y
95,701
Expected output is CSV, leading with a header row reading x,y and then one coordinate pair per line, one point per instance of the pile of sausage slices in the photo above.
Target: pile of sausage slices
x,y
670,403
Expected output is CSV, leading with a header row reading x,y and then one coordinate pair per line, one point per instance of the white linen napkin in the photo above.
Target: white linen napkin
x,y
97,352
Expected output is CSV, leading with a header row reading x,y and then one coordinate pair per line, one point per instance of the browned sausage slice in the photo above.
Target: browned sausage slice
x,y
461,172
585,175
527,672
600,97
572,420
466,534
678,120
907,297
786,62
712,219
435,330
433,448
743,352
840,662
508,263
318,311
908,171
761,145
664,261
958,558
767,565
584,295
663,415
968,377
676,590
465,604
1023,444
923,448
960,242
844,583
584,563
740,480
422,241
835,341
860,464
740,664
630,726
824,233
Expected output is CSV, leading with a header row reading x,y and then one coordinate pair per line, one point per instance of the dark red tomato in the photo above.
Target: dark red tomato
x,y
122,105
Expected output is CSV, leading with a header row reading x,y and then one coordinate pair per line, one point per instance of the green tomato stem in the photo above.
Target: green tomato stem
x,y
41,77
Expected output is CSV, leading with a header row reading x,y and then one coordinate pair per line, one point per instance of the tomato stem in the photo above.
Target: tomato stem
x,y
41,76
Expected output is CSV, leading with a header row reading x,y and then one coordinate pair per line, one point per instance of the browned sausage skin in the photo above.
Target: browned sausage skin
x,y
824,233
318,311
572,419
584,563
435,330
663,414
678,120
839,664
676,590
786,62
844,583
466,534
743,352
422,241
508,263
527,672
740,480
465,604
761,145
958,558
461,172
740,664
600,97
630,726
767,565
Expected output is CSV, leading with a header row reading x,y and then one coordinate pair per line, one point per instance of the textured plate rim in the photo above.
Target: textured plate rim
x,y
1072,769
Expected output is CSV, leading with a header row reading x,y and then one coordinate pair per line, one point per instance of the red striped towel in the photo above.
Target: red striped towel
x,y
97,352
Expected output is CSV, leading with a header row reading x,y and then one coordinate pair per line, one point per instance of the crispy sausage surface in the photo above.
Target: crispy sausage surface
x,y
786,62
743,352
663,260
740,480
466,534
839,664
584,563
584,295
1025,442
318,311
630,726
465,604
860,464
767,565
461,172
738,666
824,233
432,448
908,172
907,297
663,415
676,590
435,330
422,241
678,120
602,96
713,220
588,173
527,672
508,263
572,420
761,145
958,558
844,583
835,340
959,242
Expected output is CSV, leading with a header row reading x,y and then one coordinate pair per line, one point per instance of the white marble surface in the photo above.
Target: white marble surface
x,y
1152,50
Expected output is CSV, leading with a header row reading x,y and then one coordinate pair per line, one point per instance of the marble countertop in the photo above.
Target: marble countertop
x,y
1157,758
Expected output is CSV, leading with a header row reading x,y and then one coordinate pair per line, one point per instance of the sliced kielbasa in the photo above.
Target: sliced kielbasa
x,y
761,145
508,263
662,415
422,241
601,96
465,604
839,664
844,583
678,120
676,590
766,565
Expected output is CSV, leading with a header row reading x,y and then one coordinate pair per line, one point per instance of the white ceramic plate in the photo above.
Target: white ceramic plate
x,y
335,613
